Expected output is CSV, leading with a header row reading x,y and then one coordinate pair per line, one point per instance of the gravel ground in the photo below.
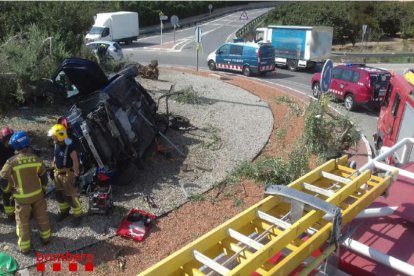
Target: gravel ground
x,y
230,125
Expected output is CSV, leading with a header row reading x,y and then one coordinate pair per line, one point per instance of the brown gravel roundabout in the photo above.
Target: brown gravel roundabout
x,y
199,215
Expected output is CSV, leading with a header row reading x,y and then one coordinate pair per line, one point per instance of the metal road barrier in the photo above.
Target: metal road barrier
x,y
195,20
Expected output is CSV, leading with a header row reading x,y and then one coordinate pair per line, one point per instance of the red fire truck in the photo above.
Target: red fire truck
x,y
396,119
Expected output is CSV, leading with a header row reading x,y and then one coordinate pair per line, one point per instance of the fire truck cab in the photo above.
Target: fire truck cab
x,y
396,119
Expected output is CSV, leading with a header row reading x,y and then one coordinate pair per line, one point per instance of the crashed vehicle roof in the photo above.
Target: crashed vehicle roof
x,y
86,75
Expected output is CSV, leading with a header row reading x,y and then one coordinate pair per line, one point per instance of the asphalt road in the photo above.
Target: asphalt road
x,y
179,49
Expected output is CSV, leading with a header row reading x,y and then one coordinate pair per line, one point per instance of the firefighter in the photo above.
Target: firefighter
x,y
66,168
25,175
6,151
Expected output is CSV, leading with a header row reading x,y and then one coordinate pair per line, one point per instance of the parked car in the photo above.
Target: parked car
x,y
248,58
113,50
355,84
112,120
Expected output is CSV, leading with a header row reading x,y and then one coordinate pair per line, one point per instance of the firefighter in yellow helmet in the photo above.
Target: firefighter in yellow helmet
x,y
27,175
66,168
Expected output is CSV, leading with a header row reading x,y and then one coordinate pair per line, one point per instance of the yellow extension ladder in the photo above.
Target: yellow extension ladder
x,y
282,231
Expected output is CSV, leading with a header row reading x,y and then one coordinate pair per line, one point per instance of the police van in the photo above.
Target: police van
x,y
248,58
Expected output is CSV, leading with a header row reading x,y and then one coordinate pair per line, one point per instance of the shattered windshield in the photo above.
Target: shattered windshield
x,y
65,85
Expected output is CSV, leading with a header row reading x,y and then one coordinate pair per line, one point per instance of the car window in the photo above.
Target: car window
x,y
396,105
105,32
65,85
380,80
266,51
388,96
355,76
116,45
346,75
224,50
236,50
336,73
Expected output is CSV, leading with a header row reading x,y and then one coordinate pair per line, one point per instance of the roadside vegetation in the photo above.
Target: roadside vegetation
x,y
325,136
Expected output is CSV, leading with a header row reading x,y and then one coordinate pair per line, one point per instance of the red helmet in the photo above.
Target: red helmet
x,y
6,133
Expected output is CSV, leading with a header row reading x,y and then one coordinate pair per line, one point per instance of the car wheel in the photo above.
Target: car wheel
x,y
349,102
316,90
246,71
292,65
212,65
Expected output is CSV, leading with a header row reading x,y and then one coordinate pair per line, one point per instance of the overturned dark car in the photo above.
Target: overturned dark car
x,y
112,121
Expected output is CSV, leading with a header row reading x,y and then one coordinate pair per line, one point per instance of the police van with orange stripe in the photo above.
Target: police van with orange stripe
x,y
248,58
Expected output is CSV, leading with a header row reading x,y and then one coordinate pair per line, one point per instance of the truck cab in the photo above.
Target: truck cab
x,y
397,114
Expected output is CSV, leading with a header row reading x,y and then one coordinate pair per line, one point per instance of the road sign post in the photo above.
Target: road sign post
x,y
162,17
210,7
326,77
198,36
174,22
364,31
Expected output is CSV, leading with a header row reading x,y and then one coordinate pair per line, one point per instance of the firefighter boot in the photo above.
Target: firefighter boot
x,y
62,215
63,206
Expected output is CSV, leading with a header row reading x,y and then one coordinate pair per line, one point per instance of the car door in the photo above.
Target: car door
x,y
335,81
222,56
344,82
236,58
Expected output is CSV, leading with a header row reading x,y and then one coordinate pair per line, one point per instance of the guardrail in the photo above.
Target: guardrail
x,y
195,20
366,55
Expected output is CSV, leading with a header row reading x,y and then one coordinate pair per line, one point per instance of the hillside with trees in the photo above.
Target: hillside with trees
x,y
384,19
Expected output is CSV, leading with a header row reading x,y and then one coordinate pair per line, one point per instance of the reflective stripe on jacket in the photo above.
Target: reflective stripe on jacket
x,y
24,170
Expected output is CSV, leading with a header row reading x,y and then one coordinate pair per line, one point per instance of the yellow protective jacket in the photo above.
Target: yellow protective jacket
x,y
23,172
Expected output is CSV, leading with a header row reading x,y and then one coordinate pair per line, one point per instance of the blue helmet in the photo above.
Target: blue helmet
x,y
19,140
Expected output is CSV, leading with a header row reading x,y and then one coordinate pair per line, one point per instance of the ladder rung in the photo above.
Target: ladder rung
x,y
335,177
210,263
246,240
319,190
273,220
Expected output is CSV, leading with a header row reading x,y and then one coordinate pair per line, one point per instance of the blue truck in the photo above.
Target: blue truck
x,y
297,46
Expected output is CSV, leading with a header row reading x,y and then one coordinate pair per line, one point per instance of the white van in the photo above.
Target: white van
x,y
115,26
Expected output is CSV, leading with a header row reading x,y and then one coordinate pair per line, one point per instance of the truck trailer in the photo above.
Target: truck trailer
x,y
120,26
298,46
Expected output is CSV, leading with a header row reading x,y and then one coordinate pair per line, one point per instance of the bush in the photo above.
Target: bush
x,y
29,60
328,135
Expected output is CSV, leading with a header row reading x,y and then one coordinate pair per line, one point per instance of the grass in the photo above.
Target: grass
x,y
293,105
215,141
196,198
187,96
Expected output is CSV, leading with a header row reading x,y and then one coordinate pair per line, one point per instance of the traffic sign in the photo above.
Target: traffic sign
x,y
364,29
326,75
163,17
198,34
243,15
210,7
174,20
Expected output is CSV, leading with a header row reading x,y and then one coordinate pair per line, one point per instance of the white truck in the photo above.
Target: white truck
x,y
298,46
120,26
